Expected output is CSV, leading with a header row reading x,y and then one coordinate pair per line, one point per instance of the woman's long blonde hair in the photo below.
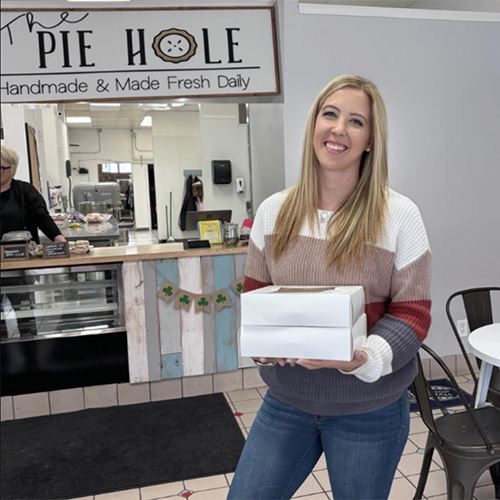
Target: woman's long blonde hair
x,y
359,222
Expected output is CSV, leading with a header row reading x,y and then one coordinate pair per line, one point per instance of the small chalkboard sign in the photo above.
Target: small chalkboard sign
x,y
18,251
56,249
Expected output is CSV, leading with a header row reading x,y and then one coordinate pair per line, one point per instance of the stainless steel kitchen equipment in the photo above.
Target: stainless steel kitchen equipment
x,y
107,194
89,207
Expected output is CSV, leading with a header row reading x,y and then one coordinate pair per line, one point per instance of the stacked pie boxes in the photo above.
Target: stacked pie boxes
x,y
303,322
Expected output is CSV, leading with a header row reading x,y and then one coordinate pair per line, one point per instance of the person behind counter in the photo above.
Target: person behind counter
x,y
340,225
22,206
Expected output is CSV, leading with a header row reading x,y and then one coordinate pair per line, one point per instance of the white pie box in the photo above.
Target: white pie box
x,y
303,322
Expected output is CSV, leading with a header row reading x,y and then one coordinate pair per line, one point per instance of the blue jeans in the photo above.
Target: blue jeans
x,y
284,444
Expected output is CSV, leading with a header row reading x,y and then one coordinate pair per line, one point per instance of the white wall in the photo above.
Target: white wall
x,y
190,141
224,138
15,137
90,147
267,151
440,81
176,144
53,145
52,149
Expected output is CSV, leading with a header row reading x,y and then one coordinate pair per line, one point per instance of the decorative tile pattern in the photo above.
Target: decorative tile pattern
x,y
161,490
436,483
206,483
250,406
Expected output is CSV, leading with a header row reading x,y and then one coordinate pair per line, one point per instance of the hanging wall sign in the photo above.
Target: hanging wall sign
x,y
57,55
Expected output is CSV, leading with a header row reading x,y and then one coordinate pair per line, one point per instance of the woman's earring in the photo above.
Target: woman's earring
x,y
368,150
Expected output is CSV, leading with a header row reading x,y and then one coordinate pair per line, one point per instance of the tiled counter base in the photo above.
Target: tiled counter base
x,y
101,396
48,403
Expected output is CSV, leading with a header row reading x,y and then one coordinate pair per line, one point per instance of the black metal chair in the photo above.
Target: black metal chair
x,y
467,441
477,307
478,310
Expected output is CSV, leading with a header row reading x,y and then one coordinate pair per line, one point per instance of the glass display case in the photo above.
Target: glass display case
x,y
62,301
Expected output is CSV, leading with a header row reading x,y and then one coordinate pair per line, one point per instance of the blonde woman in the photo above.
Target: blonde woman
x,y
22,206
340,225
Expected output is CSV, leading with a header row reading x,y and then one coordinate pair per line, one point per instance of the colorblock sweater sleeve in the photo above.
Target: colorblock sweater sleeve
x,y
256,272
395,338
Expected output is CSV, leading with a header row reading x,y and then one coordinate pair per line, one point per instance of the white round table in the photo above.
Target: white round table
x,y
485,344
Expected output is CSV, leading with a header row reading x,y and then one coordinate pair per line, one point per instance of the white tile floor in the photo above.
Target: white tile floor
x,y
317,485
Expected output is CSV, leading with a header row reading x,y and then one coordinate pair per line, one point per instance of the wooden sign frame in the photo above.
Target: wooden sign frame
x,y
50,39
56,250
13,246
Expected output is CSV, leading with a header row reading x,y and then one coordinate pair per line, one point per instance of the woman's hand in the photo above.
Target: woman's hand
x,y
59,237
280,361
359,359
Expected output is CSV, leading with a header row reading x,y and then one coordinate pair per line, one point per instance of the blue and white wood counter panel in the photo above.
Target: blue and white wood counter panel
x,y
167,342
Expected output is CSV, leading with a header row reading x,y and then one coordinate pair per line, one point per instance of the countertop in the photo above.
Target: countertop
x,y
102,231
119,254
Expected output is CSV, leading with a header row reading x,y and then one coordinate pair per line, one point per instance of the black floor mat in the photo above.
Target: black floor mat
x,y
109,449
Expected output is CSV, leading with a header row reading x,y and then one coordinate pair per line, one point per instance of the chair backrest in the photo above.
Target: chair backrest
x,y
422,397
478,311
477,305
423,389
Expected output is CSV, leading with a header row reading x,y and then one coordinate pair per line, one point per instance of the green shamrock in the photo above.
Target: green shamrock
x,y
239,287
220,298
184,299
168,291
203,302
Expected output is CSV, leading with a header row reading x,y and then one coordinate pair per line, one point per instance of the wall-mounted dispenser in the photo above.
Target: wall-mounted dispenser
x,y
221,172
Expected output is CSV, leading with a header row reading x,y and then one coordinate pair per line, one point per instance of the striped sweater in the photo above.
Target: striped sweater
x,y
396,281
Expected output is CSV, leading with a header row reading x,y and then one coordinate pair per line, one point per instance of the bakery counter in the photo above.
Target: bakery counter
x,y
127,253
121,314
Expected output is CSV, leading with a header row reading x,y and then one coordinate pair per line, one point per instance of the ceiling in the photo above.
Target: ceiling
x,y
455,5
126,115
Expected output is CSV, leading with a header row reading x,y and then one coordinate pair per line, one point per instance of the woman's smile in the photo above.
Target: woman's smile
x,y
335,147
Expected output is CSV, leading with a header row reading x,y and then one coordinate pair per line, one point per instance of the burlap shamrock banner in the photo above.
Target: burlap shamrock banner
x,y
237,286
202,303
183,300
167,291
221,299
